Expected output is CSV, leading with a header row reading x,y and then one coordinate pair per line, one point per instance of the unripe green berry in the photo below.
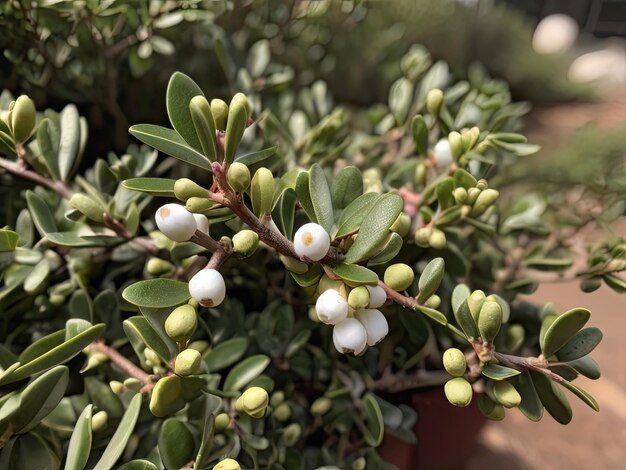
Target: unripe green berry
x,y
434,100
181,324
475,302
454,362
198,205
117,387
99,421
238,177
184,188
402,225
434,301
133,384
227,464
88,207
437,239
291,435
23,118
157,266
245,242
506,394
282,412
456,144
482,184
253,402
489,320
321,406
187,362
222,421
313,315
458,391
460,195
399,276
359,297
219,109
422,236
165,393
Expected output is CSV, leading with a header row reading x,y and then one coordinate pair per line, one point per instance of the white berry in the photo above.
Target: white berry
x,y
375,324
350,336
443,153
207,288
378,296
202,222
331,307
311,241
175,222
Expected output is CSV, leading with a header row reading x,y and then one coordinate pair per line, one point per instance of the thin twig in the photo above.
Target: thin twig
x,y
16,169
122,362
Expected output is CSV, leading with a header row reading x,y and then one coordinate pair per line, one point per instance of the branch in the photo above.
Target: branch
x,y
402,381
122,362
16,169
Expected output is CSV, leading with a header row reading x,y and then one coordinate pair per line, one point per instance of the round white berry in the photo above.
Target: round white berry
x,y
443,153
207,288
378,296
375,324
350,336
331,307
311,241
175,222
202,222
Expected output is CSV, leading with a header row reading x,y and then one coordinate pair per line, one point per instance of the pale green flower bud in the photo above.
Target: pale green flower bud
x,y
227,464
253,402
454,362
458,391
359,297
422,236
157,266
506,395
475,302
434,100
23,118
181,324
222,421
282,412
187,362
219,109
321,406
399,276
489,320
437,239
99,421
245,242
402,225
166,391
117,387
238,177
184,188
291,435
87,206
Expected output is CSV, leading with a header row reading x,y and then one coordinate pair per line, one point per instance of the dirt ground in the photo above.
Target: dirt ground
x,y
592,440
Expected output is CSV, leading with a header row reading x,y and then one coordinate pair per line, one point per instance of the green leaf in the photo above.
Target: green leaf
x,y
530,405
41,214
169,142
287,208
430,279
57,355
615,282
552,398
433,314
256,157
176,446
375,227
563,329
346,187
42,346
464,318
498,372
459,295
204,123
153,186
140,328
69,139
583,395
419,129
49,147
587,367
355,212
157,317
156,293
581,344
37,279
375,425
355,275
245,371
235,127
211,406
390,250
138,464
444,190
118,441
80,442
76,326
321,197
29,451
226,354
180,90
8,240
463,179
72,239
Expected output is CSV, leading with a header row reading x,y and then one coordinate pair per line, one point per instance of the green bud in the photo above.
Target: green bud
x,y
456,144
184,188
198,205
181,324
454,362
484,200
422,236
505,394
471,137
253,402
240,98
133,384
277,398
420,173
372,181
359,464
402,225
187,362
291,435
23,119
434,301
327,283
219,109
57,299
88,207
204,124
282,412
359,297
262,192
227,464
294,265
458,391
434,100
437,239
321,406
165,393
222,421
151,356
157,266
245,242
99,421
587,285
313,315
238,177
460,195
489,408
200,345
95,359
117,387
489,320
472,195
475,302
399,276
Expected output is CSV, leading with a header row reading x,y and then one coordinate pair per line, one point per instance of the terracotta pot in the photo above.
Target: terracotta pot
x,y
446,435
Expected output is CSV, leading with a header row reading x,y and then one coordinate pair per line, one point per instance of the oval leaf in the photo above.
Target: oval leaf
x,y
355,275
157,293
226,354
430,279
563,329
347,186
180,90
153,186
498,372
246,371
581,344
80,442
320,197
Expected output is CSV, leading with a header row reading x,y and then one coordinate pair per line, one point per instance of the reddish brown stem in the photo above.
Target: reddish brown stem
x,y
122,362
18,170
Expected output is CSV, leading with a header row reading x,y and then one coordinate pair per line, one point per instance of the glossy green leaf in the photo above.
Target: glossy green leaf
x,y
76,326
347,185
156,318
235,127
552,398
463,179
355,212
375,425
72,239
8,240
140,328
433,314
375,227
321,197
157,293
80,442
256,157
430,279
581,344
37,279
226,354
204,123
530,405
176,446
42,346
81,309
138,464
210,406
615,282
310,277
464,318
587,367
47,141
180,90
287,208
355,275
29,451
153,186
459,295
498,372
57,355
118,441
245,371
583,395
444,191
390,250
41,214
304,194
563,329
419,130
169,142
69,141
